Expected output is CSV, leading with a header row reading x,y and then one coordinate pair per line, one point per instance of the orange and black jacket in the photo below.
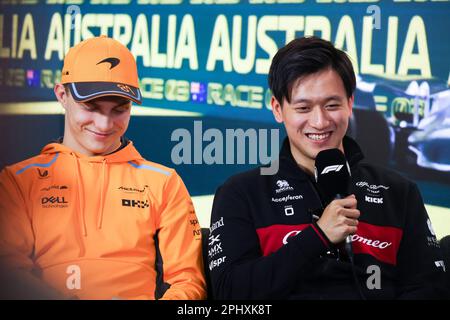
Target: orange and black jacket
x,y
102,227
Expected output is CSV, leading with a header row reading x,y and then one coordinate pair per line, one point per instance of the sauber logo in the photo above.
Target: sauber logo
x,y
335,168
133,189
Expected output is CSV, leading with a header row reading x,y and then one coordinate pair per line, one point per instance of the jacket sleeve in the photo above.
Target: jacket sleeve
x,y
16,236
237,267
179,241
17,245
420,262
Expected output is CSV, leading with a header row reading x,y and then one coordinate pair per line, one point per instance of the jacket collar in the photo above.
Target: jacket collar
x,y
289,167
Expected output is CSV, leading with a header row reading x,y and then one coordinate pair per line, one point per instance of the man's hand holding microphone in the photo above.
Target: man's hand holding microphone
x,y
340,219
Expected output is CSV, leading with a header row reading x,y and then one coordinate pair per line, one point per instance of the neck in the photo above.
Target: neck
x,y
71,143
305,163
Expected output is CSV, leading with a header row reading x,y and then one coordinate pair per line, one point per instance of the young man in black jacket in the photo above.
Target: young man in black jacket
x,y
271,235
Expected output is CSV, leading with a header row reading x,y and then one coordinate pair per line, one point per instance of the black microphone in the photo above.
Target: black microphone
x,y
332,174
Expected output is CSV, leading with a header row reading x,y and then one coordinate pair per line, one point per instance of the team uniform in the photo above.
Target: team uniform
x,y
265,244
101,227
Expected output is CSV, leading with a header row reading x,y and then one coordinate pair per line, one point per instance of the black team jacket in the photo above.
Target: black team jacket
x,y
264,242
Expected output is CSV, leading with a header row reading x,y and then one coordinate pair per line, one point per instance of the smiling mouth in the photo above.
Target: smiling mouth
x,y
319,136
99,134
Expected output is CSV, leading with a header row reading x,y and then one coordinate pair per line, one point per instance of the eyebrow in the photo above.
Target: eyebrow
x,y
326,99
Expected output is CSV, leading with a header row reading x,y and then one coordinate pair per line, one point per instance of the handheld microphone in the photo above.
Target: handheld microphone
x,y
332,173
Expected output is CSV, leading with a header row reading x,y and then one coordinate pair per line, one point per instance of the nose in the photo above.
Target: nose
x,y
319,118
103,123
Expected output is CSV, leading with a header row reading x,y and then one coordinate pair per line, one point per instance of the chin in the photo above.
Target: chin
x,y
97,150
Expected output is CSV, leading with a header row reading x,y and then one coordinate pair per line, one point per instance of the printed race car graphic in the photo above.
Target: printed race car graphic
x,y
431,142
415,122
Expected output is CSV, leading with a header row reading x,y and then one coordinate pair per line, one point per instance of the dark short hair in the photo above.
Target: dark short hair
x,y
305,56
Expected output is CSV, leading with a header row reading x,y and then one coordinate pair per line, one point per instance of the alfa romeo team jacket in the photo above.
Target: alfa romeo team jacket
x,y
100,227
264,244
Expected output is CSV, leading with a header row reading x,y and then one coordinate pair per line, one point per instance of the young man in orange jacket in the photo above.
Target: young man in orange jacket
x,y
89,218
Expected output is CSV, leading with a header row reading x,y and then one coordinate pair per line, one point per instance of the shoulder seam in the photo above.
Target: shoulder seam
x,y
166,172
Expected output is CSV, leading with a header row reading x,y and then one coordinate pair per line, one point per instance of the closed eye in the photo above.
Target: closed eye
x,y
88,108
121,109
302,109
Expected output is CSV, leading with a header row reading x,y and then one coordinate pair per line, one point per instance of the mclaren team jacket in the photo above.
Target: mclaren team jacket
x,y
264,243
100,227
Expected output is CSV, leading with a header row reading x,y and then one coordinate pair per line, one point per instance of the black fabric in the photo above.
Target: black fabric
x,y
123,143
445,247
85,91
205,240
263,226
161,286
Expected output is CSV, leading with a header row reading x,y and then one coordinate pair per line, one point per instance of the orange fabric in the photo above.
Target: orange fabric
x,y
81,63
66,215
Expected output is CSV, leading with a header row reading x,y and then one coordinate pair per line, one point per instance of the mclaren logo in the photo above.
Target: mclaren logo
x,y
112,61
335,168
133,189
55,187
